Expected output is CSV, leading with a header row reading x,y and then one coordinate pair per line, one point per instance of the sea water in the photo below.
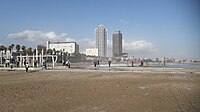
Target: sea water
x,y
183,65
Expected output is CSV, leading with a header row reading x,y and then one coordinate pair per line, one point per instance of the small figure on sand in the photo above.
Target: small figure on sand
x,y
17,60
26,66
44,65
132,64
141,64
109,62
67,63
95,63
35,63
98,63
11,65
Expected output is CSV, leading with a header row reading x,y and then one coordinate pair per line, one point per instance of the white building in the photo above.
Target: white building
x,y
101,40
91,52
70,47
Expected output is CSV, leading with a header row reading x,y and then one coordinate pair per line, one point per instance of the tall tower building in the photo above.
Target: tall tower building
x,y
101,40
117,43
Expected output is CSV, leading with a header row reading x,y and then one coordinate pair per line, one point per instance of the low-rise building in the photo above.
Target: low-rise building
x,y
91,52
70,47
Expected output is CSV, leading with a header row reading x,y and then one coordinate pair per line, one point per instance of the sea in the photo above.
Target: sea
x,y
183,65
170,65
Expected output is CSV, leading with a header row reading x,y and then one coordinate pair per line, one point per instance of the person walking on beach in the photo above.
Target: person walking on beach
x,y
26,66
35,63
11,65
98,63
109,62
17,62
95,63
132,64
141,64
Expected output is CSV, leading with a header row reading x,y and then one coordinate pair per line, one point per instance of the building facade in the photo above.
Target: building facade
x,y
70,47
91,52
101,40
117,43
42,47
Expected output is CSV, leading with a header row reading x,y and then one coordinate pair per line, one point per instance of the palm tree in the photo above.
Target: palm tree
x,y
5,49
10,48
57,52
2,48
29,51
39,51
49,51
18,47
24,49
54,51
34,51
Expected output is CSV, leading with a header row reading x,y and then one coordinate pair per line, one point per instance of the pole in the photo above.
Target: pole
x,y
52,60
33,60
42,56
40,59
27,59
37,57
1,57
20,64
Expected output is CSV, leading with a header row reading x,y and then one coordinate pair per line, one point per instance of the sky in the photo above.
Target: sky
x,y
150,28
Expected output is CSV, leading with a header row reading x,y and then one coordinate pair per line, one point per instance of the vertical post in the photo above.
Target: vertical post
x,y
1,57
53,61
27,58
40,59
42,56
6,55
33,60
164,61
61,56
20,63
37,57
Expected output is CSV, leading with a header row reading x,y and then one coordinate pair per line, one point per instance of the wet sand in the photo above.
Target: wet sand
x,y
99,91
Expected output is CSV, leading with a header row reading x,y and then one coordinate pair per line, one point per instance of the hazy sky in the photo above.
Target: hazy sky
x,y
150,28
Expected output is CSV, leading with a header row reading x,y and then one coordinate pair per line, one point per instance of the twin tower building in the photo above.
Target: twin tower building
x,y
101,42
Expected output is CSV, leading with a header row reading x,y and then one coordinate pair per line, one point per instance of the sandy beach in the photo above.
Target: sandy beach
x,y
75,90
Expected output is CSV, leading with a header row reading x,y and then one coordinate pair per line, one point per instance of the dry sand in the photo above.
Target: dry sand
x,y
91,91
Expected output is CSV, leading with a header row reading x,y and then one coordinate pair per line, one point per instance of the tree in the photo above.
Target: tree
x,y
10,48
24,48
5,49
54,51
50,51
57,52
18,47
29,51
34,51
2,48
39,51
